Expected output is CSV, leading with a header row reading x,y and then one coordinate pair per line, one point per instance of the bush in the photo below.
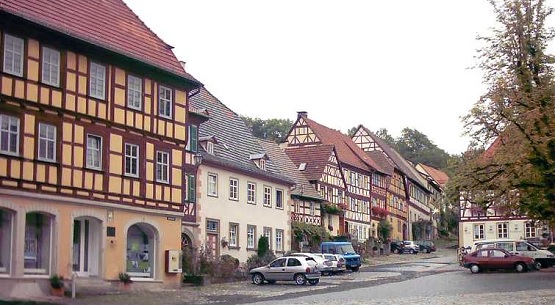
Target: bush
x,y
263,246
56,281
124,278
256,261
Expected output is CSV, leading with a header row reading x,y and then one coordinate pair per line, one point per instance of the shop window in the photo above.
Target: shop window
x,y
6,228
37,246
141,239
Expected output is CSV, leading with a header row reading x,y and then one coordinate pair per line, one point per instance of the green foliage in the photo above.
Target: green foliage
x,y
272,129
256,261
263,246
332,209
384,229
124,278
313,234
56,281
421,229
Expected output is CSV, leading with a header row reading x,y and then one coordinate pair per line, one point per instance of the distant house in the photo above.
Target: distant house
x,y
343,173
93,159
242,193
437,181
307,202
407,192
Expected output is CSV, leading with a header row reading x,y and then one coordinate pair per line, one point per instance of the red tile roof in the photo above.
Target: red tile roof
x,y
315,157
110,24
347,151
436,174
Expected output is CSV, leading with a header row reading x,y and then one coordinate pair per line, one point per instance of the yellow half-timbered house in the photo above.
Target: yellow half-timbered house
x,y
93,161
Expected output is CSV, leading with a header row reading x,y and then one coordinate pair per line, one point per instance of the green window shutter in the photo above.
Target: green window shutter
x,y
192,188
192,144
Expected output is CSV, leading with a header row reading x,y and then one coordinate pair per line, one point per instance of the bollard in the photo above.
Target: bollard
x,y
73,285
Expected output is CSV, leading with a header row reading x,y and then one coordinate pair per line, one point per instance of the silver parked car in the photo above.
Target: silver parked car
x,y
323,264
288,268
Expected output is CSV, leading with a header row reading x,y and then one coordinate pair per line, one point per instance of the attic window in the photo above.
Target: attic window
x,y
302,166
210,148
262,164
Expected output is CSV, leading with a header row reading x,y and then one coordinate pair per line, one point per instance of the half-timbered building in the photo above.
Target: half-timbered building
x,y
407,195
242,193
437,181
93,159
307,202
357,169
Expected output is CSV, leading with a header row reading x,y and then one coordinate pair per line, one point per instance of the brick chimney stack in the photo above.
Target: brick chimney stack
x,y
302,114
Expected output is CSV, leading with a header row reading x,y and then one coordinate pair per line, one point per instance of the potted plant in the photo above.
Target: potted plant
x,y
125,279
57,284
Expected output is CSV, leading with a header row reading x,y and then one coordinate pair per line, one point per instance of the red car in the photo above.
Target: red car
x,y
496,258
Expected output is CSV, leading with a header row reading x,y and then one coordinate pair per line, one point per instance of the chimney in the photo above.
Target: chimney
x,y
302,114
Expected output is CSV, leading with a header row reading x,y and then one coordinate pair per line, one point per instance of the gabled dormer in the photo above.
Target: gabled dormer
x,y
208,143
260,160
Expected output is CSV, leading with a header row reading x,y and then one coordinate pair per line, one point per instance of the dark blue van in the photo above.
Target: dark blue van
x,y
345,248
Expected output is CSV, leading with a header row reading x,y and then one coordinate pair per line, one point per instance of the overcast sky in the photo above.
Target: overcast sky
x,y
384,64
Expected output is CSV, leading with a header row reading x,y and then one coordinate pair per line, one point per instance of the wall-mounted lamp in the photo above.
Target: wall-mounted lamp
x,y
197,158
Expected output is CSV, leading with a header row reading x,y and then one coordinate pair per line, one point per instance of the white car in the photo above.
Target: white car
x,y
410,247
338,262
324,265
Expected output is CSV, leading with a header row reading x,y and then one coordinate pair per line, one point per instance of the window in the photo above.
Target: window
x,y
9,134
36,251
210,147
233,189
192,141
134,92
502,230
251,233
141,250
212,226
212,184
162,166
47,142
191,188
233,235
251,192
479,231
13,55
97,81
530,230
312,208
165,101
268,235
94,151
262,164
279,240
267,196
5,240
279,199
50,66
131,160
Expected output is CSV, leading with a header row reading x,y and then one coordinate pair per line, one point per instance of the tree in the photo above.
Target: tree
x,y
383,134
514,118
272,129
417,147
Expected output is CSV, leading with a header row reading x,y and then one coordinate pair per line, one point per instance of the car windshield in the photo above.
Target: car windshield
x,y
346,249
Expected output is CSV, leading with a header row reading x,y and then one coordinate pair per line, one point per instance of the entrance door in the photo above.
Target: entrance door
x,y
212,243
86,246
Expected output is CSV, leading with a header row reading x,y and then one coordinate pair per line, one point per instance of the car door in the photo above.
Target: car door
x,y
483,259
276,270
294,266
499,259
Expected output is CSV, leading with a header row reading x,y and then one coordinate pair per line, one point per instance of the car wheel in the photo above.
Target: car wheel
x,y
411,251
474,268
257,279
537,265
395,251
354,269
520,267
314,282
300,279
271,281
425,250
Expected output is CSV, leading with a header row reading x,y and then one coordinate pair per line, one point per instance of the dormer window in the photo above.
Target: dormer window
x,y
210,148
207,143
259,160
302,166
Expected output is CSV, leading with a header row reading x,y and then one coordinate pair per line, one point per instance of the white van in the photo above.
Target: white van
x,y
544,258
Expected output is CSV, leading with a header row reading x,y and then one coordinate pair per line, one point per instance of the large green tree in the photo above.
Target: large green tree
x,y
514,119
272,129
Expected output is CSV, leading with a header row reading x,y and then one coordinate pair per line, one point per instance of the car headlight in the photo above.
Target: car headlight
x,y
551,255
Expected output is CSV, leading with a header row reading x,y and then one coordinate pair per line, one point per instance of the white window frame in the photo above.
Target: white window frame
x,y
530,230
163,100
234,189
479,231
279,199
233,234
9,121
251,192
93,150
14,47
251,237
134,92
267,196
97,81
133,158
44,131
212,184
50,73
312,208
279,240
268,233
502,230
162,166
